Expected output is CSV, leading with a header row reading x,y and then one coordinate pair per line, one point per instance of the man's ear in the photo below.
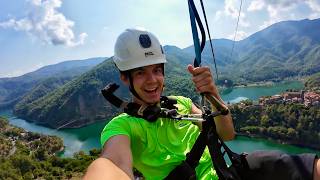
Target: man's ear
x,y
124,79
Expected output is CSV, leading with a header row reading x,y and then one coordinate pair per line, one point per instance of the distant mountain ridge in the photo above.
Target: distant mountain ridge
x,y
13,89
284,49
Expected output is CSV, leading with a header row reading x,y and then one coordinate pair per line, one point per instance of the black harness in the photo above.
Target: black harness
x,y
208,137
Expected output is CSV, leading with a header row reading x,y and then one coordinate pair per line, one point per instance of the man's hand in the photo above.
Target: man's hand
x,y
203,81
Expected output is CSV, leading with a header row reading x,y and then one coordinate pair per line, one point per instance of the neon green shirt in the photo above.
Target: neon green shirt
x,y
158,147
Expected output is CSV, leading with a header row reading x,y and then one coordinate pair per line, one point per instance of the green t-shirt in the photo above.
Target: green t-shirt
x,y
158,147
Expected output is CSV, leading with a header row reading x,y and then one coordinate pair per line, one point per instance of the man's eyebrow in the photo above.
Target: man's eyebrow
x,y
137,69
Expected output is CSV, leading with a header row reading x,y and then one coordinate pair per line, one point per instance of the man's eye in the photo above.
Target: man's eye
x,y
139,73
158,70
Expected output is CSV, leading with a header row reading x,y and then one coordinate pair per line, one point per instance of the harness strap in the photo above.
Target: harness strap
x,y
195,19
216,155
182,172
209,137
196,151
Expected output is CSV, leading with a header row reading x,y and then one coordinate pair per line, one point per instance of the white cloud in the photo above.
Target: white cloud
x,y
256,5
231,9
19,72
279,10
45,22
239,36
314,5
284,9
218,15
242,21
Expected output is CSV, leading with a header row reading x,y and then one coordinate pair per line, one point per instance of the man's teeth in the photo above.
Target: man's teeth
x,y
151,90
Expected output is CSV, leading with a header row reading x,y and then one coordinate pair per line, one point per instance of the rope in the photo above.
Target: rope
x,y
235,33
205,18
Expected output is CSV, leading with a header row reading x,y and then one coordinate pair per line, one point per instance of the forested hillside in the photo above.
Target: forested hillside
x,y
13,89
288,123
26,155
313,83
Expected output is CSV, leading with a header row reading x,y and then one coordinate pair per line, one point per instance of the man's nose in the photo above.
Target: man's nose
x,y
151,77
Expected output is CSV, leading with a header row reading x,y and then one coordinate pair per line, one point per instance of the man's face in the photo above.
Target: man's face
x,y
148,83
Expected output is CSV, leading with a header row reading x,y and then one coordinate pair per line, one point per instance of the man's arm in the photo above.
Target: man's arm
x,y
102,169
115,160
204,83
316,170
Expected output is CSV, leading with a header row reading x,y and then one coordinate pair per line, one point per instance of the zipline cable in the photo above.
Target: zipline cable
x,y
235,33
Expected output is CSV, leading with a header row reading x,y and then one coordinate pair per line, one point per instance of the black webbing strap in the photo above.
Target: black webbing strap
x,y
217,158
208,137
107,93
196,151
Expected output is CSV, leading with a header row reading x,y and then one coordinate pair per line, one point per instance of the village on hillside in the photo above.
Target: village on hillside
x,y
308,98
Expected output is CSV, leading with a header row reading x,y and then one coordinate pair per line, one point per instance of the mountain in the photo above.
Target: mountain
x,y
284,49
13,89
222,52
77,99
313,83
79,102
40,90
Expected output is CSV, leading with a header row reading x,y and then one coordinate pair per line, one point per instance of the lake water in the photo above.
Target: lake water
x,y
87,138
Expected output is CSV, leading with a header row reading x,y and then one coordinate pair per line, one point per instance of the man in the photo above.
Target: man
x,y
155,148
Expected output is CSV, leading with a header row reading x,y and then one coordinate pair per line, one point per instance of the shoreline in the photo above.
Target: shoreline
x,y
265,83
256,84
279,141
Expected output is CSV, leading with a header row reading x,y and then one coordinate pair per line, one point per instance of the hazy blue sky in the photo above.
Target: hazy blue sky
x,y
35,33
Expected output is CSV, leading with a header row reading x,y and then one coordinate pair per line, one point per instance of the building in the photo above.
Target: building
x,y
311,98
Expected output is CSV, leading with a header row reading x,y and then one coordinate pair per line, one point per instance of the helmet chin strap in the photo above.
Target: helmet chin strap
x,y
131,87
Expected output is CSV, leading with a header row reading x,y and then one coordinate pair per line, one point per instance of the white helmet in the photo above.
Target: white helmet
x,y
137,48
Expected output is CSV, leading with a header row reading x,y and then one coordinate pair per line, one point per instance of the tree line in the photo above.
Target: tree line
x,y
27,155
288,123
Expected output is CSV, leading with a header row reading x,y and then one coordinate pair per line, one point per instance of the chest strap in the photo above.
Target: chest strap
x,y
148,112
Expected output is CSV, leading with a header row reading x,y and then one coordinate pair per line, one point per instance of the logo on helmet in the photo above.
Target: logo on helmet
x,y
145,40
148,54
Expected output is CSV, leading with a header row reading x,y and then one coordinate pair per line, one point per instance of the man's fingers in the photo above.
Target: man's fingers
x,y
200,70
203,80
202,77
190,68
197,70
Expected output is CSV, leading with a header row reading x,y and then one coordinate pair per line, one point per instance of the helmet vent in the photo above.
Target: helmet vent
x,y
145,40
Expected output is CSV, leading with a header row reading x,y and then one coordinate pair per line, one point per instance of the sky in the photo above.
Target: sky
x,y
36,33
